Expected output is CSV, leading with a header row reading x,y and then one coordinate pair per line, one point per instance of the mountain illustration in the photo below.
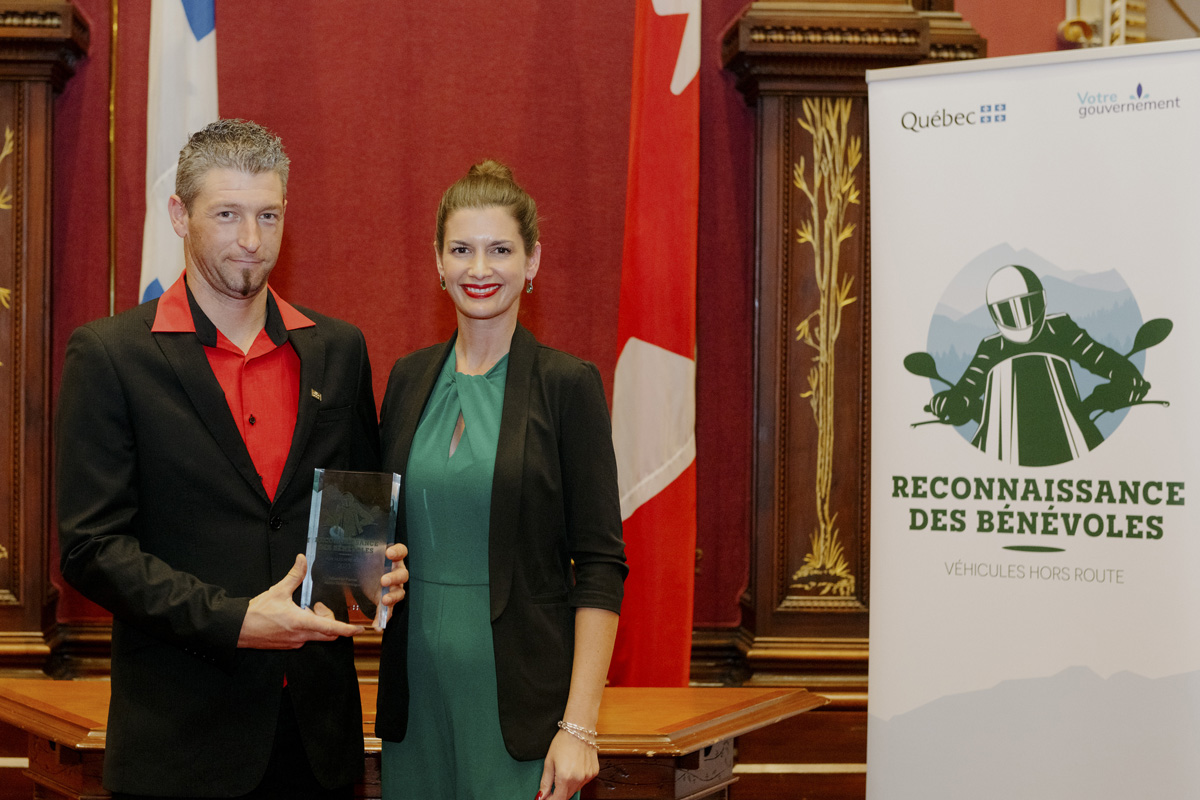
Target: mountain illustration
x,y
1070,735
965,291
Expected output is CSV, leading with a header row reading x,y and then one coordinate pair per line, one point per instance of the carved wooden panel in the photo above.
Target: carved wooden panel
x,y
811,548
38,44
24,377
803,66
10,362
818,334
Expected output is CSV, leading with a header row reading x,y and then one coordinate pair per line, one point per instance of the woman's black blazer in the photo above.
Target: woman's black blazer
x,y
554,541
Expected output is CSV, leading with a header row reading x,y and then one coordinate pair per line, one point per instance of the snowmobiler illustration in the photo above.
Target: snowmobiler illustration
x,y
1020,387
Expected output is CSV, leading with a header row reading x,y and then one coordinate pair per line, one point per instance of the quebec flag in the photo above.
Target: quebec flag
x,y
182,100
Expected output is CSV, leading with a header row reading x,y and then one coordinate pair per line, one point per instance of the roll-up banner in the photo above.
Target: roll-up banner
x,y
1035,542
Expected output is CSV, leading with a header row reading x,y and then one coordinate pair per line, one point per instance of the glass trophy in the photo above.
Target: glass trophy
x,y
350,524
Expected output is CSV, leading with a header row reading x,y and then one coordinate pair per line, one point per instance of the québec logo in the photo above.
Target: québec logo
x,y
944,118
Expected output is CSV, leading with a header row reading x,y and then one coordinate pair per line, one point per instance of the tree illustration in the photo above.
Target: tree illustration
x,y
831,189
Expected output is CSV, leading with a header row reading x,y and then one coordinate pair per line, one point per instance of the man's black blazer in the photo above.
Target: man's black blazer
x,y
554,502
164,521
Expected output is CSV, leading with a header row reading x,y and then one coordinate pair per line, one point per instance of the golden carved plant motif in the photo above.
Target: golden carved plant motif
x,y
6,196
832,190
6,199
6,301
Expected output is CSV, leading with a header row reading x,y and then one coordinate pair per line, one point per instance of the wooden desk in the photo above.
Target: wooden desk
x,y
654,743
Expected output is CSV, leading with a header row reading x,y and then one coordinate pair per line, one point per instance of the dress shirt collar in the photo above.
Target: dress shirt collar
x,y
178,312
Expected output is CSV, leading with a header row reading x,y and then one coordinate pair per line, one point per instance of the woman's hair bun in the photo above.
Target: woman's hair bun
x,y
492,169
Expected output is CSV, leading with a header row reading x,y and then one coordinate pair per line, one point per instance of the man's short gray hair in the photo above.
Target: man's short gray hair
x,y
231,144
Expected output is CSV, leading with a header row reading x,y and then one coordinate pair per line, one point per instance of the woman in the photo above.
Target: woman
x,y
513,527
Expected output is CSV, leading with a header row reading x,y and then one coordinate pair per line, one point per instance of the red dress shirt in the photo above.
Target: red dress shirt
x,y
262,386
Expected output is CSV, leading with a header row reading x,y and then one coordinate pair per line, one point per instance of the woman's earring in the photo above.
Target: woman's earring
x,y
443,284
529,288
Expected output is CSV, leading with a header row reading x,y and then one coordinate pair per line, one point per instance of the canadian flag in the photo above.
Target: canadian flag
x,y
654,390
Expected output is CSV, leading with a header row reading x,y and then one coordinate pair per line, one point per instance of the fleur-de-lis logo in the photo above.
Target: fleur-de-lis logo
x,y
1141,95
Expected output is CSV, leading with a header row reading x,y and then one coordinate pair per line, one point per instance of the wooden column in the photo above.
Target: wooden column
x,y
39,44
802,65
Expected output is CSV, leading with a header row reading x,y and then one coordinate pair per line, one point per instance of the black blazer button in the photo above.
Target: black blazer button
x,y
276,523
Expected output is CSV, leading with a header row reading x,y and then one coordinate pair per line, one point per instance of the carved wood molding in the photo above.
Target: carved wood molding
x,y
951,38
781,46
84,650
835,667
80,650
42,40
22,654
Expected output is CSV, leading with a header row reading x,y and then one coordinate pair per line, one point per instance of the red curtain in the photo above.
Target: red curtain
x,y
383,105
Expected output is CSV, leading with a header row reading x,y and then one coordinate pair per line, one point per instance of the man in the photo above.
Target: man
x,y
188,431
1020,386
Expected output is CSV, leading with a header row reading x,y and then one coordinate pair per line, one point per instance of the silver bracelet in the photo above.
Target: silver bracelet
x,y
581,733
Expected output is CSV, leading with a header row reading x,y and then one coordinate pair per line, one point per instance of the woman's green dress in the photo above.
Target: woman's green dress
x,y
453,748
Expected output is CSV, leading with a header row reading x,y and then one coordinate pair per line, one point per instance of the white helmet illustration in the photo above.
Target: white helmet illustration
x,y
1017,303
